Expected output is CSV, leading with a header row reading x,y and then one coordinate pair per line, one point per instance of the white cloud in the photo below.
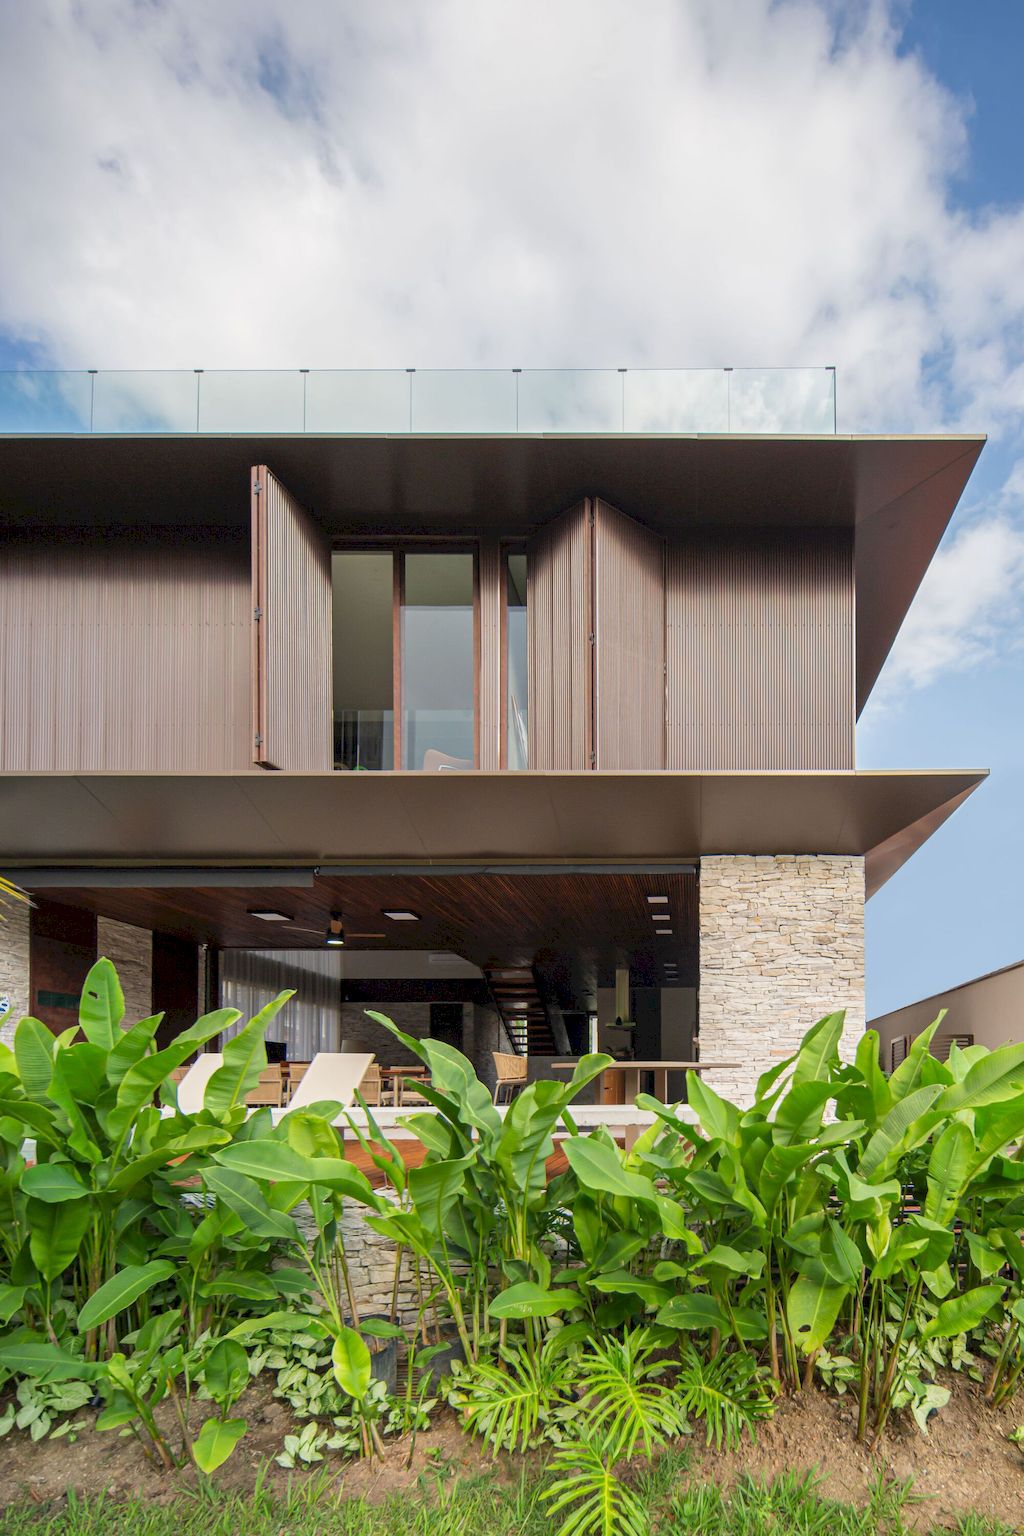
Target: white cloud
x,y
971,600
254,183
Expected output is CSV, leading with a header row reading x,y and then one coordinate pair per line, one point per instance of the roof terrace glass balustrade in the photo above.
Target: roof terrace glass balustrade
x,y
353,402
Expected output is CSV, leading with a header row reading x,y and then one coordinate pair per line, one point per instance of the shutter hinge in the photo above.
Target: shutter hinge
x,y
256,487
590,639
259,739
593,759
257,614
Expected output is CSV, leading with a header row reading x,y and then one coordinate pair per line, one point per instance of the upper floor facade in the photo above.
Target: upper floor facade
x,y
572,572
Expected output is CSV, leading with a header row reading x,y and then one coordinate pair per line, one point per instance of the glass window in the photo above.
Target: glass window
x,y
438,662
516,665
363,602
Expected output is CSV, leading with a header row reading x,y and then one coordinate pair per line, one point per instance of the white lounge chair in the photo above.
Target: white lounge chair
x,y
192,1088
331,1075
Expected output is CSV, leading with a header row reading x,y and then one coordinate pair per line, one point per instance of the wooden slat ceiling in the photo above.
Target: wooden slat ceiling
x,y
576,928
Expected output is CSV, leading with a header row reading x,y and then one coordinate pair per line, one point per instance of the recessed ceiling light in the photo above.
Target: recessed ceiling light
x,y
665,933
657,900
403,917
272,917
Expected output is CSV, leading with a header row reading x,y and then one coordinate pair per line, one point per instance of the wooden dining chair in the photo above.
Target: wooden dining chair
x,y
510,1073
269,1090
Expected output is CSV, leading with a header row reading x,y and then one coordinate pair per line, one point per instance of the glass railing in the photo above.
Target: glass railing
x,y
426,401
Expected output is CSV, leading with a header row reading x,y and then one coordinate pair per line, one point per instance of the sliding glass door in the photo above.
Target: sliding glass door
x,y
405,659
438,672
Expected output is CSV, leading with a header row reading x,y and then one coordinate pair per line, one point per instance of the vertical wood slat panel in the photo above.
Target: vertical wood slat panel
x,y
760,653
629,631
295,661
125,654
489,722
559,622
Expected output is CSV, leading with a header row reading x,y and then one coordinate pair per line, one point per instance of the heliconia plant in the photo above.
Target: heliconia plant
x,y
734,1252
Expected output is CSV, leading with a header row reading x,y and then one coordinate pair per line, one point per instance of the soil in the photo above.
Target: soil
x,y
965,1462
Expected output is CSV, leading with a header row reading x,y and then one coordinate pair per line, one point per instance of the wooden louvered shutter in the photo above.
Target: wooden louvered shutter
x,y
292,638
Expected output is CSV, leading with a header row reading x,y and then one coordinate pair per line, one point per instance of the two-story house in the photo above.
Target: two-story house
x,y
463,695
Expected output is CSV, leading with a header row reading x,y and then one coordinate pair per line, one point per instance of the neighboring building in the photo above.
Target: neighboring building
x,y
526,678
986,1011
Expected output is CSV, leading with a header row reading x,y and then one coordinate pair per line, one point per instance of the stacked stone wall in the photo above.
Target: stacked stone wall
x,y
781,944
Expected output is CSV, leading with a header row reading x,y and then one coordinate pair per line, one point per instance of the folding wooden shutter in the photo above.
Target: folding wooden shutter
x,y
292,640
560,628
629,633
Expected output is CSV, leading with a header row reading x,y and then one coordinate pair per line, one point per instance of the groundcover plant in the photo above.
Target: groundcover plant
x,y
849,1229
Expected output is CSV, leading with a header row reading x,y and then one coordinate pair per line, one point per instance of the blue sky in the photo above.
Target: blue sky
x,y
328,183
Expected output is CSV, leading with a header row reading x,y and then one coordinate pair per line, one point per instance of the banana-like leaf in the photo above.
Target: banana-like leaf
x,y
52,1182
101,1008
693,1311
245,1056
718,1118
812,1308
121,1291
909,1075
527,1299
962,1313
599,1167
998,1076
43,1361
819,1050
949,1169
909,1122
55,1234
33,1052
350,1360
270,1160
245,1198
215,1443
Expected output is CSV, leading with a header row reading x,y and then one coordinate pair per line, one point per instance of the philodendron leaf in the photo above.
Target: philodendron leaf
x,y
527,1299
962,1313
121,1290
215,1442
102,1006
350,1359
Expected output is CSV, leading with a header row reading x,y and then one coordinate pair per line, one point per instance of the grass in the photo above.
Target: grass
x,y
789,1506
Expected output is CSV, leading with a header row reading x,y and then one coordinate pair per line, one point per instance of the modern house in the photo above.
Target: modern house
x,y
517,683
989,1011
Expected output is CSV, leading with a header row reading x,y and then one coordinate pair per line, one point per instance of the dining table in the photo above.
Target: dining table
x,y
631,1071
397,1076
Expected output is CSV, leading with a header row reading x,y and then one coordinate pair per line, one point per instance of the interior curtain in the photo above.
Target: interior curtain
x,y
311,1021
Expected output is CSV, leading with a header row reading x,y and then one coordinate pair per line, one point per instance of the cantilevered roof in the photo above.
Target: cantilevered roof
x,y
897,494
463,821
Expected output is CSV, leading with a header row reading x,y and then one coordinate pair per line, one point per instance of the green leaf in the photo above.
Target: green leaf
x,y
908,1076
215,1442
52,1182
33,1052
279,1322
11,1299
43,1361
531,1300
693,1311
962,1313
102,1006
121,1290
272,1160
812,1309
819,1053
350,1360
998,1076
131,1047
840,1255
906,1125
718,1118
244,1197
56,1233
949,1168
245,1056
598,1166
226,1372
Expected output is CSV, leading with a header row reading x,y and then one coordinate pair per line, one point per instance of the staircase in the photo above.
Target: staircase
x,y
521,1007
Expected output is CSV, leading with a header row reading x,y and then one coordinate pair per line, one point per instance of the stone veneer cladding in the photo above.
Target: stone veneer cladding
x,y
131,950
781,944
14,967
